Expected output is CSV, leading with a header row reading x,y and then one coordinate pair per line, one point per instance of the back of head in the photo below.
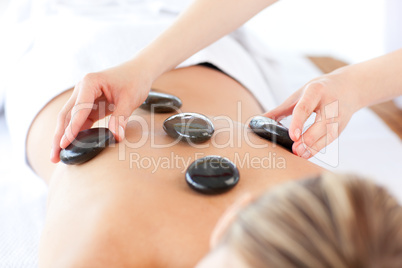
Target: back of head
x,y
332,221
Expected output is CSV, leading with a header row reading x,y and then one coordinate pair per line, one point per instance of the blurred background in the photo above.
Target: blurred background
x,y
3,5
352,31
349,30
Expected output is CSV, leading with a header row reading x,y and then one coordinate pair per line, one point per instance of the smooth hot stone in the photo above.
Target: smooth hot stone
x,y
212,175
88,144
161,103
271,130
190,127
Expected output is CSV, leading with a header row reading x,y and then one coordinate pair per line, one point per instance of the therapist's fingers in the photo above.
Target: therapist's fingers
x,y
331,131
79,115
281,111
285,109
118,120
331,134
303,109
320,144
87,93
310,137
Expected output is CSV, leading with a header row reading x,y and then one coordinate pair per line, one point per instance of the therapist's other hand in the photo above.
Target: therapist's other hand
x,y
117,91
333,98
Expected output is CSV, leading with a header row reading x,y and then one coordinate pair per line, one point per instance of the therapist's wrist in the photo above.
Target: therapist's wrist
x,y
142,68
351,87
150,64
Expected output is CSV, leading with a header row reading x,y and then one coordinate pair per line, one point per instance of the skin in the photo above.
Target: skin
x,y
105,213
222,256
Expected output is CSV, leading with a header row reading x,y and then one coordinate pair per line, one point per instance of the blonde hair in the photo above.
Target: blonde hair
x,y
332,221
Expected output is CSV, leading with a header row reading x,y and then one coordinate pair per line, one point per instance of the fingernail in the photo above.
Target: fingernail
x,y
297,133
121,132
62,140
300,149
112,130
306,154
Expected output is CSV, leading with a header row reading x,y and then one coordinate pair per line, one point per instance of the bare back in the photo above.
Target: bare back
x,y
131,206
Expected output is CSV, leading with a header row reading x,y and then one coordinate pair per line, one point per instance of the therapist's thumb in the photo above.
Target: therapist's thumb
x,y
118,122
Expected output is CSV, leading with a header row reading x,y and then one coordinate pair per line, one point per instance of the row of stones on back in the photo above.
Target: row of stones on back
x,y
197,128
202,175
89,143
208,175
211,174
191,127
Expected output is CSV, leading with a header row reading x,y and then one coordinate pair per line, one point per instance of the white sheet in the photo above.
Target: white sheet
x,y
22,209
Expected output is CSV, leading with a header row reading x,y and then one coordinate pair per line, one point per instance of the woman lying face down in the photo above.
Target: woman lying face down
x,y
110,212
117,210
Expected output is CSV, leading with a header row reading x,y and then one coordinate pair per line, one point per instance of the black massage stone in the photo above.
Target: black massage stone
x,y
161,103
190,127
271,130
88,144
212,175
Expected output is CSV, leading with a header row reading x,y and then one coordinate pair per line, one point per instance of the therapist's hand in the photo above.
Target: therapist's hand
x,y
117,91
333,97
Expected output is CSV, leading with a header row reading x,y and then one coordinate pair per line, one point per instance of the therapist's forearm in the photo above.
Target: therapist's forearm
x,y
204,22
375,80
